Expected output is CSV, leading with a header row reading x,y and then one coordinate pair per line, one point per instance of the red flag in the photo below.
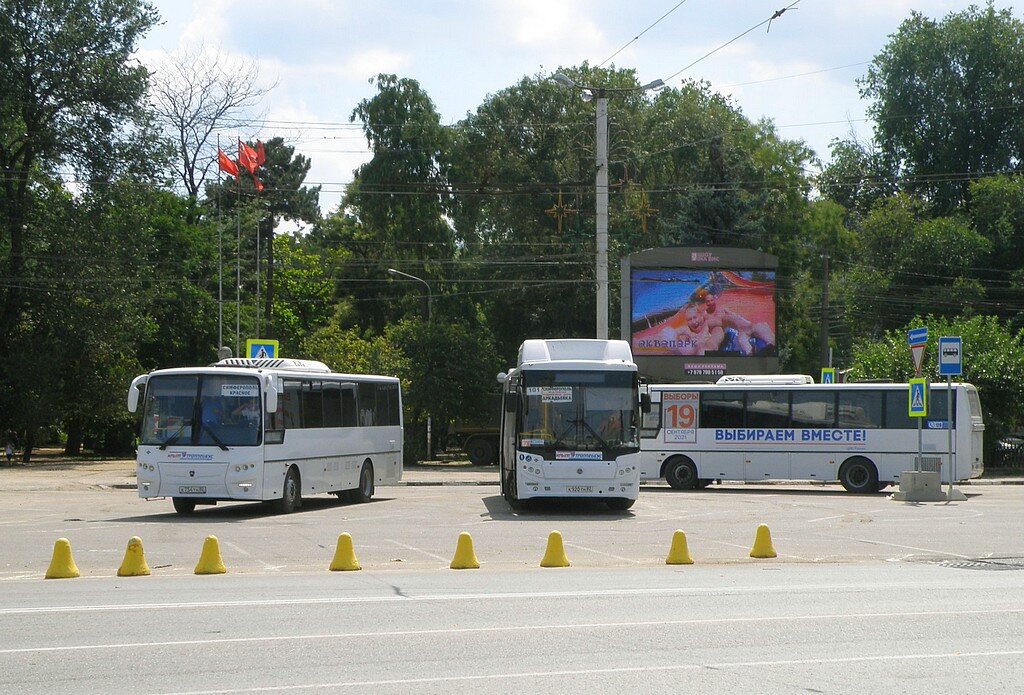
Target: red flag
x,y
247,157
261,154
225,163
257,182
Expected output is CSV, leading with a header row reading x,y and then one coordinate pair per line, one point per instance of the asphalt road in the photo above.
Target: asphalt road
x,y
866,595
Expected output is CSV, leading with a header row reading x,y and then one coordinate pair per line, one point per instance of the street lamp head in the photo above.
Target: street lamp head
x,y
587,95
657,84
564,80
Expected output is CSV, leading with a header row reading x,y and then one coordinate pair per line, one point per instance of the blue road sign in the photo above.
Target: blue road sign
x,y
917,336
261,348
951,356
918,400
828,375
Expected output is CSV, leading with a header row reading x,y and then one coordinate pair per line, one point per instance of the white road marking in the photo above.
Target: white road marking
x,y
521,628
598,552
624,669
418,550
239,549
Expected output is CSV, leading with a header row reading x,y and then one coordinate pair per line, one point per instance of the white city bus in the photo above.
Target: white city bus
x,y
770,428
266,430
570,423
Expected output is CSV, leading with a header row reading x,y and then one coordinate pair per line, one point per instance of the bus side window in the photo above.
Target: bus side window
x,y
722,409
348,405
291,399
814,409
367,404
860,409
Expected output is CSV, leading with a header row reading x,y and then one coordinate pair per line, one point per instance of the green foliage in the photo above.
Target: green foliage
x,y
942,95
906,261
993,360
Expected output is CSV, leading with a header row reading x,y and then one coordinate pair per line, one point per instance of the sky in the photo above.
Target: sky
x,y
800,72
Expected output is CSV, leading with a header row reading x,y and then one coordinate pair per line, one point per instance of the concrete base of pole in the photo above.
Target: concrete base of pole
x,y
919,486
955,495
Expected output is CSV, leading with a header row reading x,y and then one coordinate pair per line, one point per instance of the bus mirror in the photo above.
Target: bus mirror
x,y
271,390
133,392
501,377
645,402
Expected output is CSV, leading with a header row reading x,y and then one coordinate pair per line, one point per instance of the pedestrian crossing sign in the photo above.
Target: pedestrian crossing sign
x,y
262,349
918,398
828,375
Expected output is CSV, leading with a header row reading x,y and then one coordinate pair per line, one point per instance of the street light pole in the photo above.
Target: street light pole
x,y
392,271
601,214
600,94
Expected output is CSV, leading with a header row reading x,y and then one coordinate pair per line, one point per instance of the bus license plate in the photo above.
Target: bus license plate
x,y
579,488
192,489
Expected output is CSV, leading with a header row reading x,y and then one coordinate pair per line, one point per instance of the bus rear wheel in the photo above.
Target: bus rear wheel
x,y
858,475
681,474
183,505
364,492
619,504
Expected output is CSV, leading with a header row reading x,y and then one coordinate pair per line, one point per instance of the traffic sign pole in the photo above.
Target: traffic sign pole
x,y
950,364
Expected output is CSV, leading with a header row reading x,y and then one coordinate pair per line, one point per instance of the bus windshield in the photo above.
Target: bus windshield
x,y
578,410
202,410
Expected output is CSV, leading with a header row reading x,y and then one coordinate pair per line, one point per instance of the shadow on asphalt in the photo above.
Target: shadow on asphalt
x,y
243,511
780,490
572,509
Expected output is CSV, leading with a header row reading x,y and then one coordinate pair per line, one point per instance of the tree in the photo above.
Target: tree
x,y
907,262
195,94
399,199
944,97
856,178
70,95
993,361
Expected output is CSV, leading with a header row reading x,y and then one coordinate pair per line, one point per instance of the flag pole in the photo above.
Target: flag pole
x,y
238,263
220,259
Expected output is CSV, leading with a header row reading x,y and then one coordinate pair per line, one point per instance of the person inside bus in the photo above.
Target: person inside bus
x,y
248,412
611,428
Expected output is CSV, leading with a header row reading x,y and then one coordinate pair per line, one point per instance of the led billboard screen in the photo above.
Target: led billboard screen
x,y
676,311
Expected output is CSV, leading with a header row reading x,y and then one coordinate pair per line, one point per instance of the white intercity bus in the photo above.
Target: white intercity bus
x,y
268,430
788,428
570,423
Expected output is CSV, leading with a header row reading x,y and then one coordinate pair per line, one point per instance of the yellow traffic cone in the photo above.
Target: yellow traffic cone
x,y
210,561
134,563
763,543
554,556
465,557
679,553
345,556
62,565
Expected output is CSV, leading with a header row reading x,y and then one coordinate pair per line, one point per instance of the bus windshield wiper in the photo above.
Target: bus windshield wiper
x,y
174,437
599,438
214,437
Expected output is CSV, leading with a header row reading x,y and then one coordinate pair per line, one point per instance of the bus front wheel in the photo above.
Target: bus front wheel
x,y
183,505
859,475
291,494
681,474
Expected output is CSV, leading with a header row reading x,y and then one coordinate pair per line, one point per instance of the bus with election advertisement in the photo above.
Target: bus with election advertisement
x,y
764,428
270,430
570,423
